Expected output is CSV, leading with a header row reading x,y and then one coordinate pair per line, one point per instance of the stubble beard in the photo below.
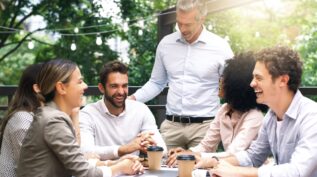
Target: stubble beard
x,y
110,99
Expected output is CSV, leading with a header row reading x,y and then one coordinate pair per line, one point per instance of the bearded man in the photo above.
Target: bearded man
x,y
115,126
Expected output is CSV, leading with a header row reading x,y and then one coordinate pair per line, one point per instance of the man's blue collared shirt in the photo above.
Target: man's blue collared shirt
x,y
191,71
295,151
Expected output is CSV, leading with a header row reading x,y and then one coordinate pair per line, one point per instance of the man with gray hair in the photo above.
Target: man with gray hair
x,y
190,61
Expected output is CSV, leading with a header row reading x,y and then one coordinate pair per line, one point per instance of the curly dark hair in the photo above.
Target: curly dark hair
x,y
237,77
282,60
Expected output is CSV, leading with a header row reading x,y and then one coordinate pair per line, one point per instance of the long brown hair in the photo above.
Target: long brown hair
x,y
24,98
52,72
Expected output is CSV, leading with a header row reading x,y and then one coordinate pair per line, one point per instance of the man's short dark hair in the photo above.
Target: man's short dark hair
x,y
111,67
282,60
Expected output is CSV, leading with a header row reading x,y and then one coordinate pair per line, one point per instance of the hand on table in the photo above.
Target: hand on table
x,y
205,162
146,140
141,142
172,155
223,169
131,167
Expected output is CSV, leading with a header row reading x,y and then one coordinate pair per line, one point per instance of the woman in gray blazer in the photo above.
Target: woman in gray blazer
x,y
50,147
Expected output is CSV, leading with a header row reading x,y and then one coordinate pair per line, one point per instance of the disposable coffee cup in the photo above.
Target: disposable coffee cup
x,y
186,165
154,154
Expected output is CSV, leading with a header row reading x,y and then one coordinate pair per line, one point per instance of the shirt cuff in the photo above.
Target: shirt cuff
x,y
92,162
115,151
264,170
106,171
194,149
243,159
207,155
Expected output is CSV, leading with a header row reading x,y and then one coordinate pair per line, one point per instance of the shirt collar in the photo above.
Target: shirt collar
x,y
105,109
293,109
202,37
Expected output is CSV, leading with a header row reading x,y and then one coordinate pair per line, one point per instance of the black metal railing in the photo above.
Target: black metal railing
x,y
157,105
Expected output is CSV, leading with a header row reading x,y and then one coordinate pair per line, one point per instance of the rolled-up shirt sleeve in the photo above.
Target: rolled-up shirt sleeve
x,y
149,125
156,83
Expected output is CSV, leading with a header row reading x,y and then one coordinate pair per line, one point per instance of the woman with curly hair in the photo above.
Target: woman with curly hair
x,y
238,120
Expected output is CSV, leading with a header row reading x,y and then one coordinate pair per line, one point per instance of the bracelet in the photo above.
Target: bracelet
x,y
215,157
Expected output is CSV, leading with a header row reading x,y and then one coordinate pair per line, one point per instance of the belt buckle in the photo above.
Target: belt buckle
x,y
181,118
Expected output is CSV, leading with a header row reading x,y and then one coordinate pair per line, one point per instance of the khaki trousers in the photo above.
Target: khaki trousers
x,y
183,135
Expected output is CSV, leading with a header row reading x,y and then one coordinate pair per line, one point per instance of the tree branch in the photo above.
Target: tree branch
x,y
42,42
19,44
16,13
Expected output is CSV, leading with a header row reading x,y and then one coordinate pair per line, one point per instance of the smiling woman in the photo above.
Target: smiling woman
x,y
50,147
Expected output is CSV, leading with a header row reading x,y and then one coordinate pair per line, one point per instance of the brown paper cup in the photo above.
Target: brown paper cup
x,y
154,154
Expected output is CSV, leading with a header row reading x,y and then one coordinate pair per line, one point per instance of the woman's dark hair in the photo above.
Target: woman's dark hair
x,y
237,77
24,98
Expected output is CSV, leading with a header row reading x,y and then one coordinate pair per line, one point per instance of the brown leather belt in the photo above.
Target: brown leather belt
x,y
187,119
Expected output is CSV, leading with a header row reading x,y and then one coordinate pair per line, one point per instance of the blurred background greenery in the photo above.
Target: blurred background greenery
x,y
249,27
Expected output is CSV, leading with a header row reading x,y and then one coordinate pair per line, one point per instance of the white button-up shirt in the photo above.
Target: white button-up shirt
x,y
103,133
191,71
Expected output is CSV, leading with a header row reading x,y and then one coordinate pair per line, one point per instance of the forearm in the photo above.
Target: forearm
x,y
232,160
126,149
149,91
246,172
105,152
225,169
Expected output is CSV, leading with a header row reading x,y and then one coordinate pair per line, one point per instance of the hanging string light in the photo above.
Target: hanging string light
x,y
257,34
98,39
125,26
76,30
73,46
140,32
31,45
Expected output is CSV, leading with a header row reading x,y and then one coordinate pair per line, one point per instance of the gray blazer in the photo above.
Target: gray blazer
x,y
50,148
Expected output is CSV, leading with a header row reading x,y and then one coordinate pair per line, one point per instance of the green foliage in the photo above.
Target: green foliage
x,y
250,27
58,15
142,46
308,41
11,68
250,32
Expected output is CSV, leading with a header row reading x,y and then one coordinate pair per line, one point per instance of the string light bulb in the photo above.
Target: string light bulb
x,y
76,30
125,27
140,32
31,45
257,34
98,39
73,46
